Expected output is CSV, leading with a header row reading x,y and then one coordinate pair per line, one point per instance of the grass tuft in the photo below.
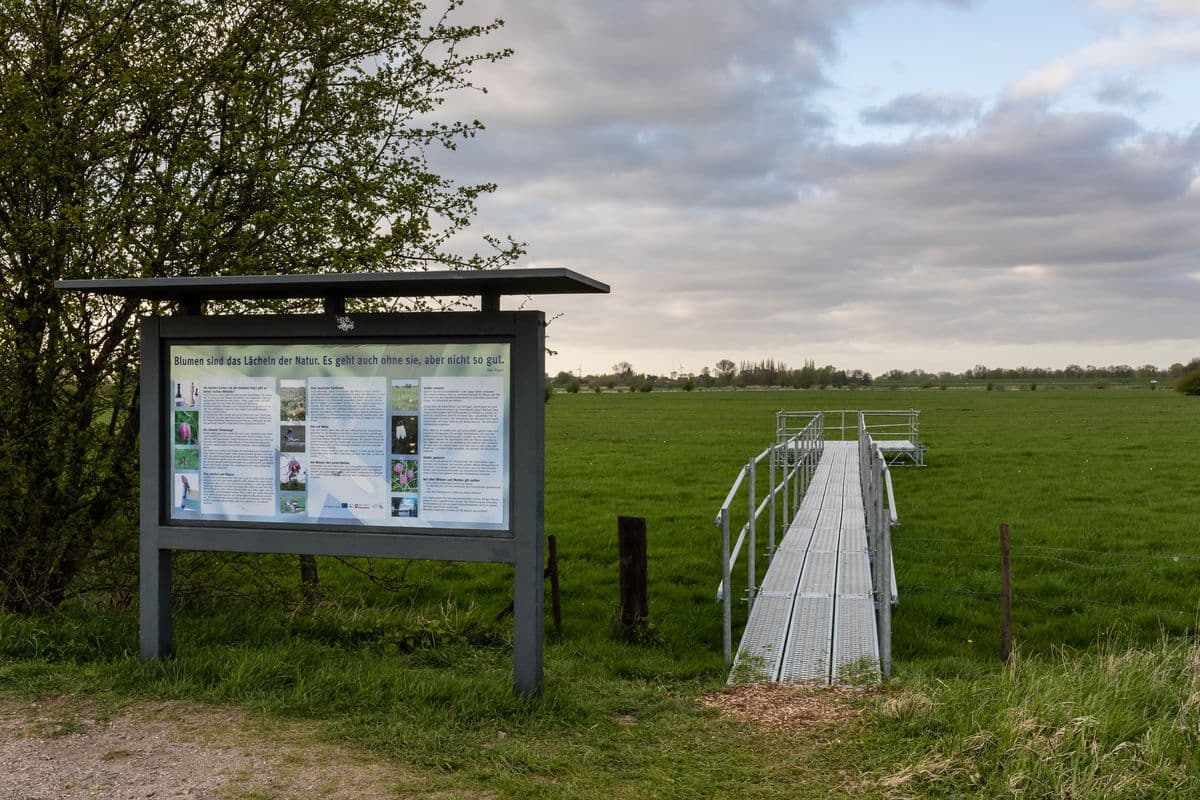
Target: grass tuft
x,y
1115,723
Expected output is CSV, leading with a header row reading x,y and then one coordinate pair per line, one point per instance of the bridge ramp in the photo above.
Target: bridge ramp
x,y
813,620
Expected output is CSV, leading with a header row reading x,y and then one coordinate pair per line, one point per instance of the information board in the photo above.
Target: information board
x,y
377,434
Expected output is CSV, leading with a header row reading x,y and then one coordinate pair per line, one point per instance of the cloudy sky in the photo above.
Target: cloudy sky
x,y
868,183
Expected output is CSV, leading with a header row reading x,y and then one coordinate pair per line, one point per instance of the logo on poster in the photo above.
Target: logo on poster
x,y
345,324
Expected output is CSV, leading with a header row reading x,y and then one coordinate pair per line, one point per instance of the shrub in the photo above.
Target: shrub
x,y
990,386
1190,383
645,386
573,387
549,392
596,388
1033,387
689,385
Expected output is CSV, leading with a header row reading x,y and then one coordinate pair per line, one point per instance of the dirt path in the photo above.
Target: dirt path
x,y
69,749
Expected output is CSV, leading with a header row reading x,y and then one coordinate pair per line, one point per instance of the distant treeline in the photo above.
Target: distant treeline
x,y
769,372
1072,372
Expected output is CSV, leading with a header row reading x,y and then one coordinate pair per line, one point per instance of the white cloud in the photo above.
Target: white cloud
x,y
1127,51
1159,9
1176,8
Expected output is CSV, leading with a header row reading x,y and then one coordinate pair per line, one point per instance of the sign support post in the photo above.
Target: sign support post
x,y
529,508
155,563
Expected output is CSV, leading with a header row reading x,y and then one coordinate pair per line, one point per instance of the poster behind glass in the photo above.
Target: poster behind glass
x,y
394,435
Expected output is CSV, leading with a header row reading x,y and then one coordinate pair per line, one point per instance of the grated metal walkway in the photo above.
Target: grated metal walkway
x,y
813,620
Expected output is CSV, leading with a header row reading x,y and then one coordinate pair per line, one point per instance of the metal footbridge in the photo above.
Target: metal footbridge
x,y
822,612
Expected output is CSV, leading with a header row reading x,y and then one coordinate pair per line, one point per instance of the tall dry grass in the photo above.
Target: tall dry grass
x,y
1116,723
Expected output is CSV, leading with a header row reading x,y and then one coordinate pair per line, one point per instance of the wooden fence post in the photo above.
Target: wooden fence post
x,y
310,579
1005,594
552,571
631,551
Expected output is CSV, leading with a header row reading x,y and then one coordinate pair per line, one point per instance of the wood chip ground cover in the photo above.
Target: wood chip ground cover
x,y
788,709
64,749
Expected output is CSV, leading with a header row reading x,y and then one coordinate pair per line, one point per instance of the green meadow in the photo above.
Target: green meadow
x,y
1099,489
1098,486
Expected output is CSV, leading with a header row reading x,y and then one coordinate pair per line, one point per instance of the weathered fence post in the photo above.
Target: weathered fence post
x,y
631,552
552,571
310,579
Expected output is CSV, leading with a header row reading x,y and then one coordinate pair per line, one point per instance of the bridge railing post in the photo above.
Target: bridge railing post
x,y
885,607
788,454
771,535
806,450
882,525
752,556
816,441
726,603
799,470
820,435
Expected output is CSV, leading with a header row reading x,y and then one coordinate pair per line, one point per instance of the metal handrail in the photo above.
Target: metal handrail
x,y
798,463
737,484
771,495
910,422
876,481
891,496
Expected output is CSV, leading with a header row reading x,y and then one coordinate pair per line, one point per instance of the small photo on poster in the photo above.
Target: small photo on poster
x,y
404,434
291,400
187,491
187,427
404,506
291,438
404,475
186,394
187,459
406,396
293,473
292,503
